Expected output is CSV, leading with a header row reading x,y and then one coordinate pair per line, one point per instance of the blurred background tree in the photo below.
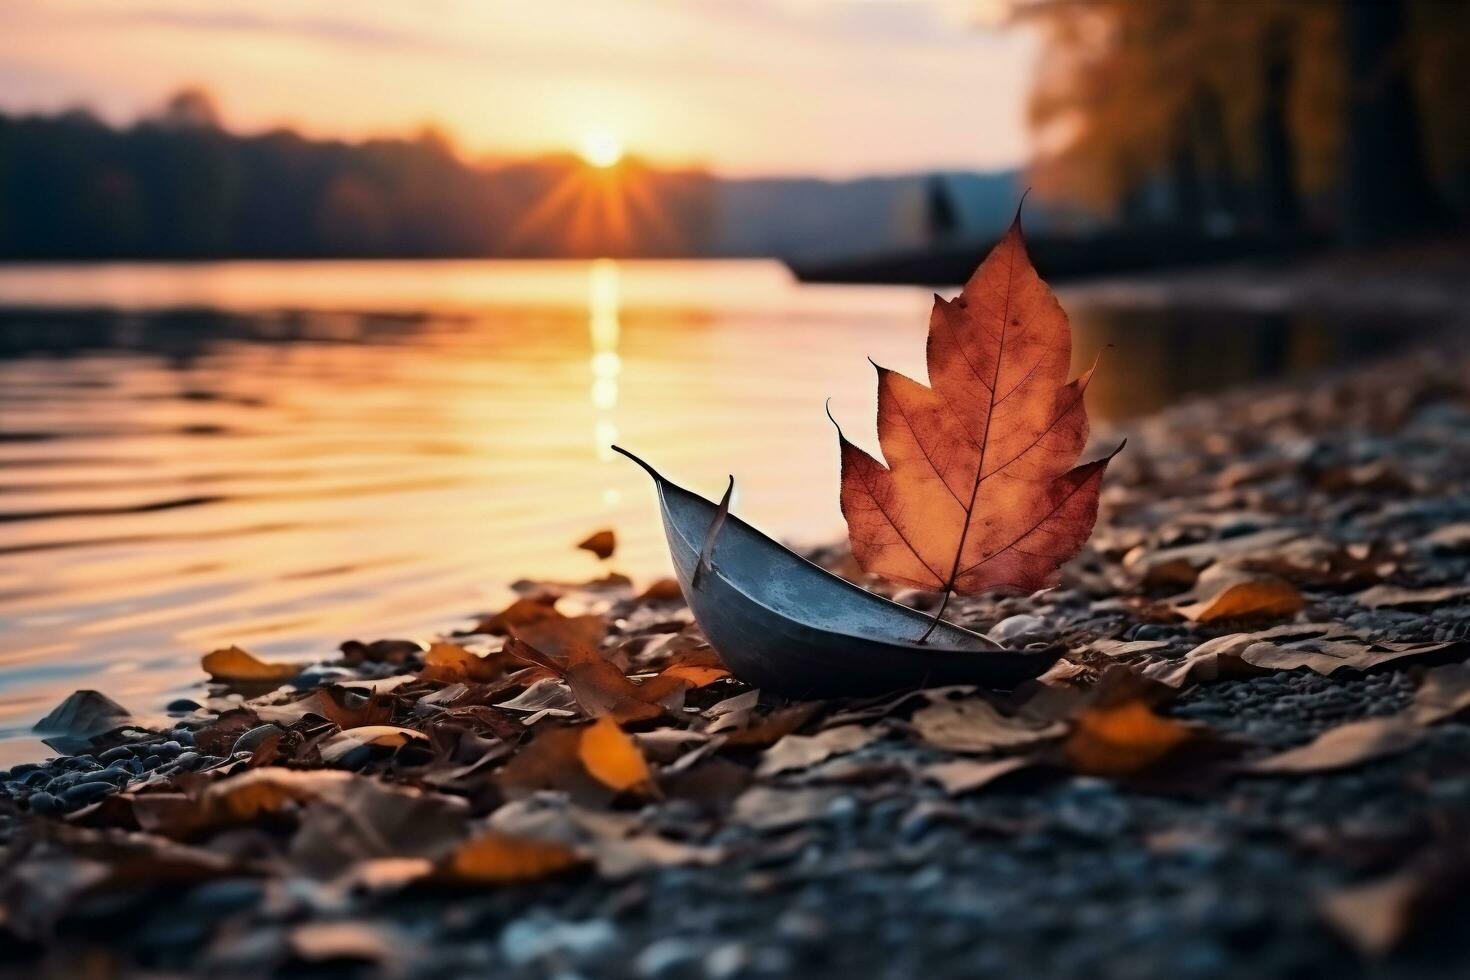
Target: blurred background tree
x,y
1344,116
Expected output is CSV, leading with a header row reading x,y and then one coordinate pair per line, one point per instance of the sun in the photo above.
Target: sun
x,y
601,148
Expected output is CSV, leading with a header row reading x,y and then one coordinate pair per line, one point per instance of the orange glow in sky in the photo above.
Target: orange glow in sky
x,y
832,87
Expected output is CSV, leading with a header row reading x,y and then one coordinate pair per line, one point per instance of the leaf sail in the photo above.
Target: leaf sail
x,y
980,490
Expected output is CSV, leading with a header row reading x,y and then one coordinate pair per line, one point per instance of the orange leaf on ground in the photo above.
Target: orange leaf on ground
x,y
344,708
602,544
1122,740
613,758
1231,593
234,664
979,491
1118,733
519,613
497,859
452,662
697,676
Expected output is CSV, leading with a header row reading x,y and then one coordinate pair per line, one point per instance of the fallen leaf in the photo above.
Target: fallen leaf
x,y
967,775
341,747
974,725
601,543
612,758
1324,648
522,612
623,857
1340,748
548,694
1118,733
452,662
397,652
696,675
342,707
552,761
1376,916
1320,563
772,728
979,491
1181,565
1451,538
319,942
233,665
1223,592
804,751
556,641
1443,692
732,713
770,808
496,859
1394,597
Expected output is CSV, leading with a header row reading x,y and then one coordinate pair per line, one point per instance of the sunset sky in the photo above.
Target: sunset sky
x,y
831,87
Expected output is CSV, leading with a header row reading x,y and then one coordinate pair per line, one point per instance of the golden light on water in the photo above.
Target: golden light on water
x,y
604,328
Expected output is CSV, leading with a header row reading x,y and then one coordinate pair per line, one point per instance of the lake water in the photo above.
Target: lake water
x,y
287,455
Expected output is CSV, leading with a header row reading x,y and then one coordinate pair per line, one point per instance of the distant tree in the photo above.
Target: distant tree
x,y
177,185
1189,110
190,108
1386,181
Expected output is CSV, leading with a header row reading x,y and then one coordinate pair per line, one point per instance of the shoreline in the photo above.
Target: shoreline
x,y
729,835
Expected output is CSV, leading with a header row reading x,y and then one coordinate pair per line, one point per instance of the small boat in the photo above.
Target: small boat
x,y
786,625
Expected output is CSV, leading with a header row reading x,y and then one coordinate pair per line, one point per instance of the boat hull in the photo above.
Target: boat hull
x,y
786,625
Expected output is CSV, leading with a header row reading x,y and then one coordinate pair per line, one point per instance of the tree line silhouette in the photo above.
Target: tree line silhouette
x,y
175,185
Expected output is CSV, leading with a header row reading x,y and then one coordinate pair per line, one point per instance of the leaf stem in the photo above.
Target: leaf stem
x,y
937,616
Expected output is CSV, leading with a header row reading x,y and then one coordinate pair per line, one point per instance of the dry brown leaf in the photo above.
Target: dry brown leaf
x,y
974,725
1451,538
1118,733
1324,648
1443,693
1394,597
316,942
1340,748
979,491
1320,563
232,664
344,708
769,730
452,662
1182,565
612,758
522,612
552,760
600,543
1224,593
339,748
804,751
558,641
967,775
1375,916
772,808
696,675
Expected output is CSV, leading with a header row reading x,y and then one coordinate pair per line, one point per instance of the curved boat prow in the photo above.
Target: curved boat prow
x,y
782,623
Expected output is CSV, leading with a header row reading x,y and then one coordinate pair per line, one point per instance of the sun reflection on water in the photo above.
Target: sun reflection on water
x,y
603,328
